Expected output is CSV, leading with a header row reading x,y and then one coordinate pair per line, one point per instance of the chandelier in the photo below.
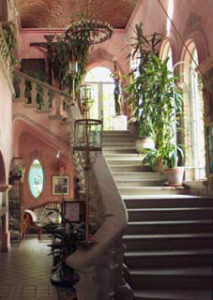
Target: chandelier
x,y
91,30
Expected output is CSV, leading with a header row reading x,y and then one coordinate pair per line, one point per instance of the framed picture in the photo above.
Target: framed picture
x,y
60,185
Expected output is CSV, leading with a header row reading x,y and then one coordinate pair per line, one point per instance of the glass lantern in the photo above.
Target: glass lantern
x,y
88,135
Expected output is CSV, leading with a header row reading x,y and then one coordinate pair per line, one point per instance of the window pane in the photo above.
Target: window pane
x,y
36,178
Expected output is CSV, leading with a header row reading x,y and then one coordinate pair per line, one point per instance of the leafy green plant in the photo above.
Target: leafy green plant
x,y
144,49
72,47
167,102
10,38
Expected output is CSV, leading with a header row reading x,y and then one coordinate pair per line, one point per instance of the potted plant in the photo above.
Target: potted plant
x,y
143,50
167,101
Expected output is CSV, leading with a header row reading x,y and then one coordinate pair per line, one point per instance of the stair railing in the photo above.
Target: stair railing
x,y
42,96
104,259
101,266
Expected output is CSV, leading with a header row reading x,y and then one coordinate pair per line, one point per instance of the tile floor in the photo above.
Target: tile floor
x,y
25,270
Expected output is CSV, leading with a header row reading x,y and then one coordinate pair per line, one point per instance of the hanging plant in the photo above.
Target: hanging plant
x,y
10,38
73,46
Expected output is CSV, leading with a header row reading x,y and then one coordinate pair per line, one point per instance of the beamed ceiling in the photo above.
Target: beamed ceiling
x,y
58,13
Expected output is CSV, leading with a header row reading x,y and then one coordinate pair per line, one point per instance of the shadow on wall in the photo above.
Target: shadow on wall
x,y
2,170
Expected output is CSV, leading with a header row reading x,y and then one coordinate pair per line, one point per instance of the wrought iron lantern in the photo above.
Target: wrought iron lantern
x,y
88,135
88,143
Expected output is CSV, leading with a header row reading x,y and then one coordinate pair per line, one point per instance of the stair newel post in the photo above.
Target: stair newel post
x,y
22,87
45,107
34,93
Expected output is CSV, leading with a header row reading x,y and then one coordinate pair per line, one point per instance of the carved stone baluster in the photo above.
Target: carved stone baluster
x,y
34,94
45,107
22,87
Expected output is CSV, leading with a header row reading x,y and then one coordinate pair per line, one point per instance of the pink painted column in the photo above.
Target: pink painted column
x,y
5,238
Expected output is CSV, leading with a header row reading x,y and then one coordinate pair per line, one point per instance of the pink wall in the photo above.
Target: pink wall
x,y
113,48
5,121
191,18
31,147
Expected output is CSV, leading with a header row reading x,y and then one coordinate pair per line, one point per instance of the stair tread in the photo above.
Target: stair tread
x,y
162,187
193,271
168,235
137,172
170,209
139,179
174,294
168,222
155,197
169,253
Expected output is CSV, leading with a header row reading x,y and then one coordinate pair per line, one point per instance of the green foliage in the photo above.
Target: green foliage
x,y
68,236
145,48
167,103
10,38
72,46
156,100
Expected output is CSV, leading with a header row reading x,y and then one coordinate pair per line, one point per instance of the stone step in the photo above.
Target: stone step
x,y
176,278
149,190
116,132
161,294
169,226
117,147
117,142
137,175
153,242
123,161
169,259
123,157
129,168
119,150
139,182
123,137
171,213
164,201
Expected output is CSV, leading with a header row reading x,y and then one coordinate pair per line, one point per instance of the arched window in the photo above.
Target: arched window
x,y
103,106
193,118
166,52
36,178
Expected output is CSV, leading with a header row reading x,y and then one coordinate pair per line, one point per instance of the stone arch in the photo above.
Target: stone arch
x,y
194,108
2,170
100,57
200,41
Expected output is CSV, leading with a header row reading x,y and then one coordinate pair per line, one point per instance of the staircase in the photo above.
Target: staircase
x,y
169,238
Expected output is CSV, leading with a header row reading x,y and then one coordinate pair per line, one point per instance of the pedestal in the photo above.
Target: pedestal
x,y
120,122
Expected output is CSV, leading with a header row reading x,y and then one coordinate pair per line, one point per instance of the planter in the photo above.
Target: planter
x,y
174,175
144,142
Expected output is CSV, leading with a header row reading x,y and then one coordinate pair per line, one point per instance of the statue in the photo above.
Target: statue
x,y
117,91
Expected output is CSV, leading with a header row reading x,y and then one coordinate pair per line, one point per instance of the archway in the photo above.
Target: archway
x,y
103,106
194,139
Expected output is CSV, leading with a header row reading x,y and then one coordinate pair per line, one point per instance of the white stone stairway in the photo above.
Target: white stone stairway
x,y
169,238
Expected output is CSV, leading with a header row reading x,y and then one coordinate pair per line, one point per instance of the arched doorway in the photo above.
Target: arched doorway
x,y
103,107
194,138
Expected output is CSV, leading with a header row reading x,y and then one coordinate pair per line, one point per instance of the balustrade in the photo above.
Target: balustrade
x,y
43,96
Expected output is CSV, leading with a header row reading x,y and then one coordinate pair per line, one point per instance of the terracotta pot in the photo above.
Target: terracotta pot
x,y
175,175
144,142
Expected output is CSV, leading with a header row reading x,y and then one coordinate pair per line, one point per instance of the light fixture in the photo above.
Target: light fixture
x,y
96,31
